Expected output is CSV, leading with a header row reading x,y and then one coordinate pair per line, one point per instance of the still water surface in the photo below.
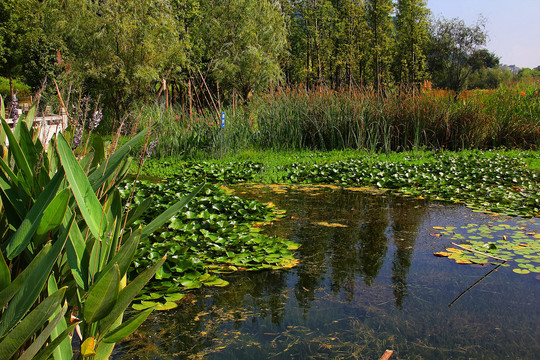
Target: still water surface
x,y
367,281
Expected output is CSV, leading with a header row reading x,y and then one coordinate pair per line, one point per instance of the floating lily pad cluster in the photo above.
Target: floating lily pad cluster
x,y
518,244
231,172
494,183
213,234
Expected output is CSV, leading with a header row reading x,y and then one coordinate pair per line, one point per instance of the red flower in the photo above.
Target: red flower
x,y
523,93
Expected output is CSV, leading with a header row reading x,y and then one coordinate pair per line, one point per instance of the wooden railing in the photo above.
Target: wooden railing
x,y
48,125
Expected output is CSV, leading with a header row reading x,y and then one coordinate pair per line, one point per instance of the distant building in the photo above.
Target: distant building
x,y
513,68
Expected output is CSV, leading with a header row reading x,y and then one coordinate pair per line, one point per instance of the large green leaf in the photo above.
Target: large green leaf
x,y
54,213
167,214
128,294
85,196
125,255
127,327
5,275
38,342
31,287
77,254
102,296
99,150
62,350
18,155
45,353
7,294
98,177
30,324
20,240
30,150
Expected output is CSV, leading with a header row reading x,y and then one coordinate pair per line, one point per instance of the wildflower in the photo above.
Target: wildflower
x,y
77,138
210,124
523,93
176,117
536,92
14,109
151,148
96,119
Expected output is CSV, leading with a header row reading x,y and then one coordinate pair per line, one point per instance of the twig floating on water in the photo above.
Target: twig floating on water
x,y
479,252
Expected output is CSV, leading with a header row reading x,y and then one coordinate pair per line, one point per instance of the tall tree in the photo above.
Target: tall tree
x,y
412,31
119,48
244,41
452,45
349,42
379,20
18,25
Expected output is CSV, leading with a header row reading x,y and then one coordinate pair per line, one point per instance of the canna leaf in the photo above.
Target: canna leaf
x,y
30,324
128,294
18,156
7,294
30,289
102,296
38,342
45,353
77,255
125,255
20,240
62,350
5,274
98,177
54,213
85,196
127,328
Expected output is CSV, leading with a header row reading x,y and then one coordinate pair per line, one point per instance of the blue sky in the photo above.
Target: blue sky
x,y
513,27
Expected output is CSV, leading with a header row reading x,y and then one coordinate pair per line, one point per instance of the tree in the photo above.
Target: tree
x,y
244,41
451,48
18,24
379,20
119,48
412,29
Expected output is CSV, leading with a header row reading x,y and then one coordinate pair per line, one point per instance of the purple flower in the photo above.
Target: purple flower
x,y
151,148
77,138
96,119
14,108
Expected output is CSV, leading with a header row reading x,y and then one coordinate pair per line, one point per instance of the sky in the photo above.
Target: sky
x,y
513,26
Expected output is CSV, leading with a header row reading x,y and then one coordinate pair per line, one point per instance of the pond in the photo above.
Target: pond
x,y
367,281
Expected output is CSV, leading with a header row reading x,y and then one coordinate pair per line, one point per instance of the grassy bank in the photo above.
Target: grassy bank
x,y
505,182
323,119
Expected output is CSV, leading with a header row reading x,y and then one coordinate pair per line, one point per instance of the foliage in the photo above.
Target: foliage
x,y
518,246
244,41
412,29
296,119
484,182
217,233
379,20
452,46
63,246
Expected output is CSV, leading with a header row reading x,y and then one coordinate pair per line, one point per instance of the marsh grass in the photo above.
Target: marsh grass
x,y
295,119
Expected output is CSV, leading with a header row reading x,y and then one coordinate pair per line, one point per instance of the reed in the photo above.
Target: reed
x,y
325,119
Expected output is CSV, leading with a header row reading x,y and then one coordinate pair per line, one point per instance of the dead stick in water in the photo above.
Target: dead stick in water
x,y
387,355
478,252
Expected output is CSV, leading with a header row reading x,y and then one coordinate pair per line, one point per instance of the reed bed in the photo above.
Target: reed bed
x,y
326,119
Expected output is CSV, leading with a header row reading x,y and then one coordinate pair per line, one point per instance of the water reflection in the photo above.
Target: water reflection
x,y
366,281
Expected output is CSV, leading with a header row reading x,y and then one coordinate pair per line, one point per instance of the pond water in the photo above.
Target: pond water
x,y
367,281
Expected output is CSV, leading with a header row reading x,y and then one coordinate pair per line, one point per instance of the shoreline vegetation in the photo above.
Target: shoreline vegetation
x,y
325,120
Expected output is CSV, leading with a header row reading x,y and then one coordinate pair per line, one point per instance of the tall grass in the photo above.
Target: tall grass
x,y
325,119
